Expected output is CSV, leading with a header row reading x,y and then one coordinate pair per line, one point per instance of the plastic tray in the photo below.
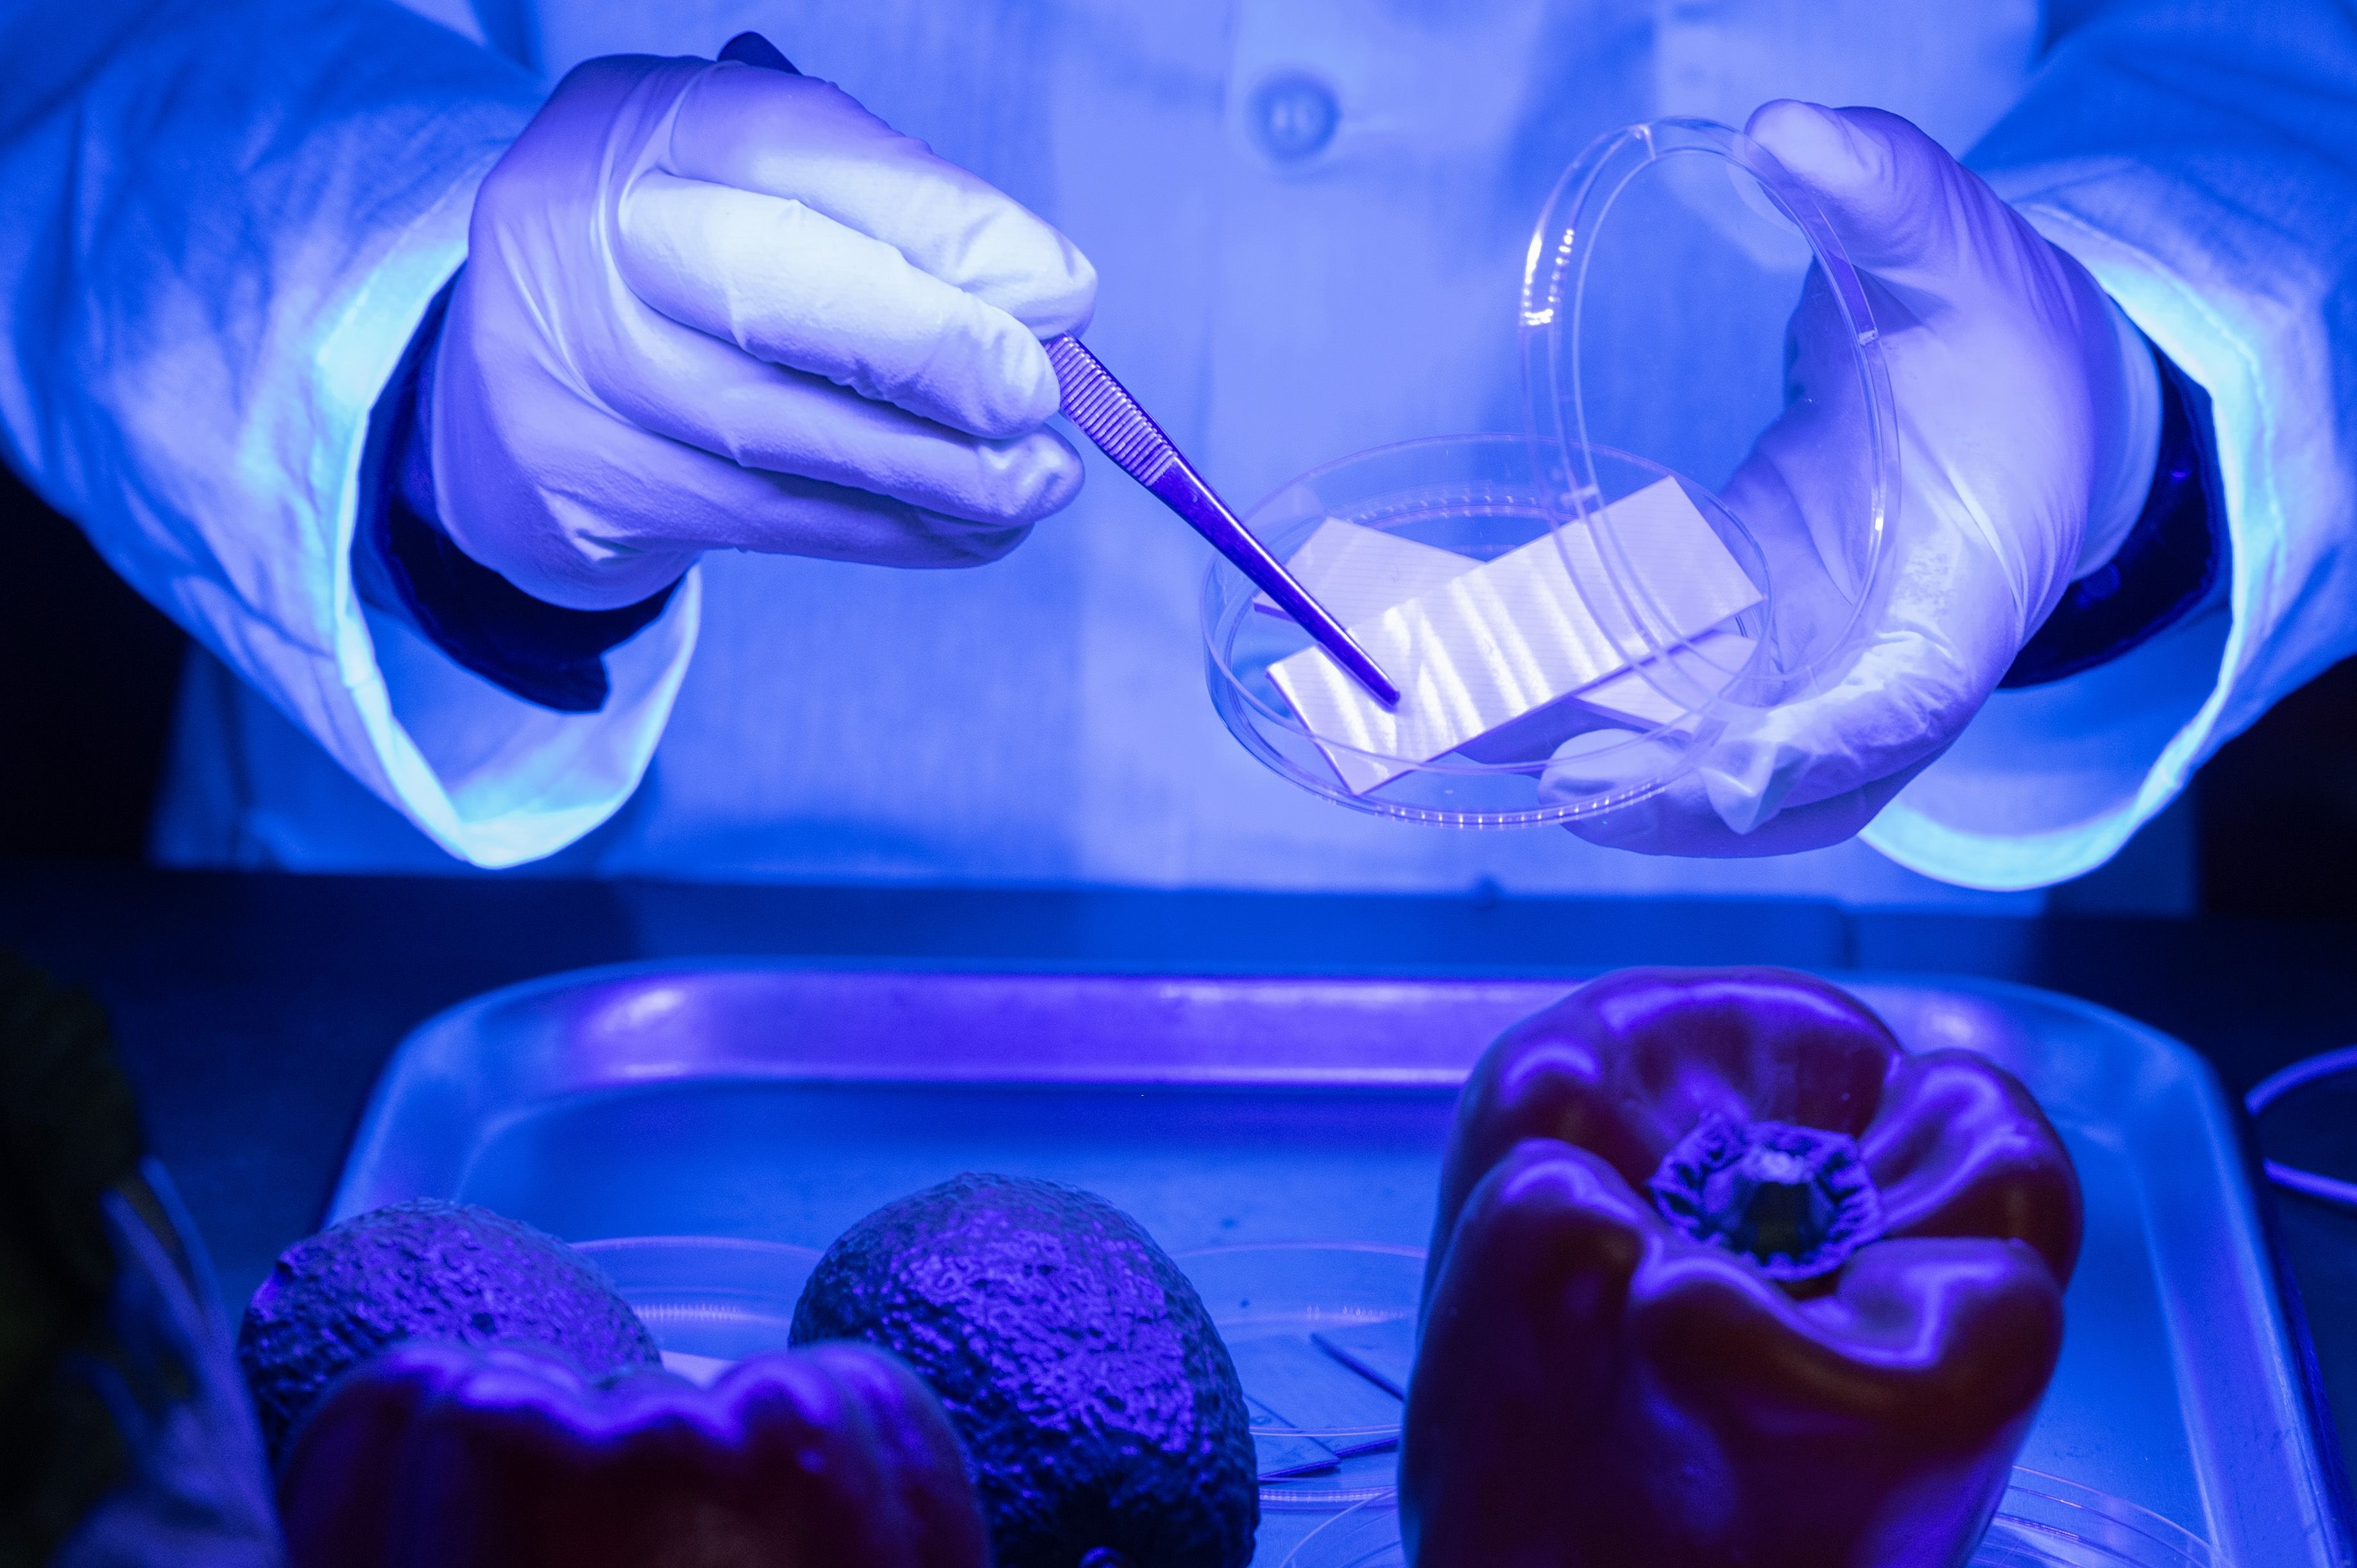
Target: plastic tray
x,y
770,1102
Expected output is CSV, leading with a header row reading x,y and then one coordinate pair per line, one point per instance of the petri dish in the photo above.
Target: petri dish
x,y
2044,1521
709,1301
1323,1336
1681,540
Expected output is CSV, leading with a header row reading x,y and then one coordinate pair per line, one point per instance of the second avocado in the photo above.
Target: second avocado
x,y
1098,1407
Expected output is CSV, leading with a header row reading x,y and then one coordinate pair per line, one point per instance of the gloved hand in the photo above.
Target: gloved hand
x,y
2028,424
710,305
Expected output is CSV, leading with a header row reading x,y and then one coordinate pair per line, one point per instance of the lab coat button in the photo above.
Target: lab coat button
x,y
1294,115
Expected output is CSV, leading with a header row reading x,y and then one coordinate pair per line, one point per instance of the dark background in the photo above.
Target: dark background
x,y
87,673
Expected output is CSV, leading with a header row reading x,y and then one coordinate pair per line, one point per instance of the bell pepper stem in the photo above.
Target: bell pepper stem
x,y
1799,1200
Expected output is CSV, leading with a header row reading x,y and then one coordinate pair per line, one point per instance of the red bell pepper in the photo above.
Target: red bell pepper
x,y
441,1455
1723,1275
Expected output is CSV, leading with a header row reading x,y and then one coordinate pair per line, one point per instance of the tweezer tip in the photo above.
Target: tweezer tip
x,y
1368,674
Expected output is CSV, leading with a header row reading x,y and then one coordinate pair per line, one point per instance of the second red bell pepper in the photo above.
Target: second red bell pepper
x,y
1724,1277
439,1455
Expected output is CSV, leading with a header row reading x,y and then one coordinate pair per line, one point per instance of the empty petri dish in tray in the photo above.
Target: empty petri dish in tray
x,y
2046,1519
2044,1522
1323,1336
709,1301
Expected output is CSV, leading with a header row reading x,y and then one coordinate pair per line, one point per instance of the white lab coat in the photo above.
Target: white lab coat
x,y
223,222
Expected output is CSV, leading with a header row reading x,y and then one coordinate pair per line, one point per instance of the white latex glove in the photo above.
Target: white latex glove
x,y
713,305
2029,421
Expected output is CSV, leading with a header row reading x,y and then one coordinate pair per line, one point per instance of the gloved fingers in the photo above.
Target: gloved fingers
x,y
806,140
693,387
661,501
1681,821
1909,691
1800,776
620,511
1909,216
791,516
791,285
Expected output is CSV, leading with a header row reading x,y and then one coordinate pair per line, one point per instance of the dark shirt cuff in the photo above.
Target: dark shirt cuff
x,y
2167,566
405,564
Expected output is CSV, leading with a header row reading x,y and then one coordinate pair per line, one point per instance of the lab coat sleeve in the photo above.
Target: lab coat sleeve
x,y
2200,160
220,226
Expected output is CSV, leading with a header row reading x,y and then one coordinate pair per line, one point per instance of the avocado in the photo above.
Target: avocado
x,y
424,1269
1101,1415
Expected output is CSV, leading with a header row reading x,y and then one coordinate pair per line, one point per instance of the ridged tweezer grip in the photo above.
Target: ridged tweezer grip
x,y
1107,415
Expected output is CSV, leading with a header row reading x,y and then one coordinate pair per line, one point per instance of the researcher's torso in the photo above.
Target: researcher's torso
x,y
1308,218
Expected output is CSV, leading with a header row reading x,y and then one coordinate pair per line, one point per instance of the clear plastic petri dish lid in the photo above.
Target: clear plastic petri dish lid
x,y
1682,540
2044,1521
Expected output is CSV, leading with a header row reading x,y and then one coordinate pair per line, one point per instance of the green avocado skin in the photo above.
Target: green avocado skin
x,y
422,1270
1098,1407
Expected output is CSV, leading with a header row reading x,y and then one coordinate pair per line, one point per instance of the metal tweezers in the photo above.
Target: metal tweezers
x,y
1108,415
